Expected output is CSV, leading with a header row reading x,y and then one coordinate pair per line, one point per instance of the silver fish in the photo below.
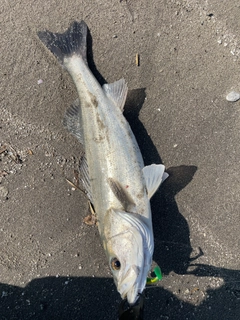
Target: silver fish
x,y
117,183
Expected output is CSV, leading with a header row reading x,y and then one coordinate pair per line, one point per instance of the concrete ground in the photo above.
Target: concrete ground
x,y
52,266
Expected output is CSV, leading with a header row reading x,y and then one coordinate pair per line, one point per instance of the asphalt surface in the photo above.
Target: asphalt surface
x,y
52,265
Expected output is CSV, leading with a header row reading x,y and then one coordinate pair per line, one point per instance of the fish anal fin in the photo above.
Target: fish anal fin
x,y
117,92
84,178
154,175
72,121
122,195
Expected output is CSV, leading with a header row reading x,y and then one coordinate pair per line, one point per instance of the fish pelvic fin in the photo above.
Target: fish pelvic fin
x,y
73,41
122,195
154,175
117,92
72,121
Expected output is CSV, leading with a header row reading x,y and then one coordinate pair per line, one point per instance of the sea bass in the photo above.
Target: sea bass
x,y
117,183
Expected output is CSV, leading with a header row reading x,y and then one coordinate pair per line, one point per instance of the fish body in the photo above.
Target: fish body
x,y
117,183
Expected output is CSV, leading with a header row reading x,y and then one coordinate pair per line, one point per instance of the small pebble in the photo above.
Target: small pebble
x,y
233,96
3,192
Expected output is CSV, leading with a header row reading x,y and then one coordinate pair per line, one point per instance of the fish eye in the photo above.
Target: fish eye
x,y
115,264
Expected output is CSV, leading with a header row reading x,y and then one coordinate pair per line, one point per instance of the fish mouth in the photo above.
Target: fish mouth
x,y
132,285
131,294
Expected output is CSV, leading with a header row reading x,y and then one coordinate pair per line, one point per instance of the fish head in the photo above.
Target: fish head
x,y
129,247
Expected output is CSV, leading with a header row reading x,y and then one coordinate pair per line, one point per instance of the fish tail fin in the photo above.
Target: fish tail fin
x,y
73,41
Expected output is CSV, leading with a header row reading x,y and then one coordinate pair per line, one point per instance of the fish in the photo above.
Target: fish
x,y
116,181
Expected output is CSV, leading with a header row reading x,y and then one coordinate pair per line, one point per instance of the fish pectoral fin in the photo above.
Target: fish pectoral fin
x,y
72,121
154,175
122,195
117,92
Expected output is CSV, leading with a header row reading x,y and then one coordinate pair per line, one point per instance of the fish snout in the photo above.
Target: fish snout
x,y
129,285
132,295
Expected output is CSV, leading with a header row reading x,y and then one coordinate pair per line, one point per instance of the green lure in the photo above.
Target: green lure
x,y
158,277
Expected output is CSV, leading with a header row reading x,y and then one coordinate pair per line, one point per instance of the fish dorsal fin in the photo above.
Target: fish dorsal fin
x,y
154,175
122,195
72,121
117,92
